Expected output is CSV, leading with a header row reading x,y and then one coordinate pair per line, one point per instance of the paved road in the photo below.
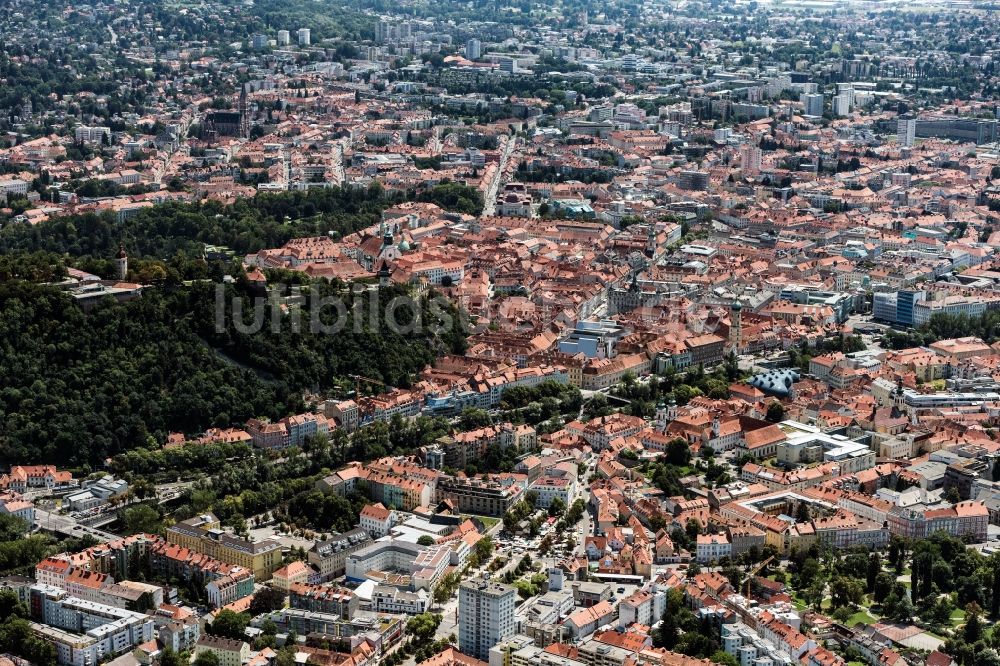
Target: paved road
x,y
490,200
449,618
68,526
449,610
337,153
586,525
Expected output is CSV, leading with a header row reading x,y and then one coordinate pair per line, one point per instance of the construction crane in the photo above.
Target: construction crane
x,y
358,379
753,572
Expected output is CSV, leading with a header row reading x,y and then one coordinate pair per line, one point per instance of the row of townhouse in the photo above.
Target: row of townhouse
x,y
289,431
224,583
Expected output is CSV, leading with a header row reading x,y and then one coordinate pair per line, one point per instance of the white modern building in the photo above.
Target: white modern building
x,y
751,648
554,484
486,616
841,105
86,134
14,186
389,599
425,566
83,632
812,104
96,493
806,448
383,555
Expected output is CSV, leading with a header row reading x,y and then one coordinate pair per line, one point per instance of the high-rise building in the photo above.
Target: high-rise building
x,y
842,105
486,616
473,49
259,42
383,32
906,131
600,114
750,159
848,90
812,104
284,39
304,36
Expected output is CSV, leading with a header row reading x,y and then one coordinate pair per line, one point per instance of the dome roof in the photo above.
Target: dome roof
x,y
403,246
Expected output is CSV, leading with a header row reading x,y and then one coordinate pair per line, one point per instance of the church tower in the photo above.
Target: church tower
x,y
122,262
661,417
651,241
735,325
384,275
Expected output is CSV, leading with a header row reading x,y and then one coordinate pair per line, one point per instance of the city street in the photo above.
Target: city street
x,y
490,199
68,526
583,529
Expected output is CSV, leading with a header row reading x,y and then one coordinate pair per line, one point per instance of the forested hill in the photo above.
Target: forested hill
x,y
79,387
161,232
172,236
